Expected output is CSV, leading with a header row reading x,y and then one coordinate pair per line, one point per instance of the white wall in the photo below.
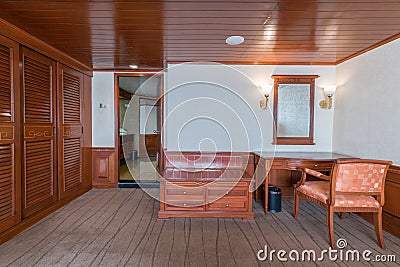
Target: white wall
x,y
217,106
366,102
367,105
103,118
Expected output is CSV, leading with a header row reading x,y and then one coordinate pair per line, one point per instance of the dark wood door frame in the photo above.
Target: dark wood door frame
x,y
116,111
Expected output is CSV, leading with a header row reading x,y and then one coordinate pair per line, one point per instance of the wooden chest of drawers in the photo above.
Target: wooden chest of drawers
x,y
214,199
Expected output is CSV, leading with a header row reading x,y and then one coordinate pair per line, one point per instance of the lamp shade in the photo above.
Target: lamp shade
x,y
330,90
266,89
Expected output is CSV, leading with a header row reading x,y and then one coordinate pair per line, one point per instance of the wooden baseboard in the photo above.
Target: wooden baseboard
x,y
104,186
34,218
162,214
390,223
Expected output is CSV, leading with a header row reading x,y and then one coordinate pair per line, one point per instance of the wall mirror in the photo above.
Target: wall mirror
x,y
294,109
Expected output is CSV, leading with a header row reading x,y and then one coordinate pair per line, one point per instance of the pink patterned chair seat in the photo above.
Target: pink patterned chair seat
x,y
319,190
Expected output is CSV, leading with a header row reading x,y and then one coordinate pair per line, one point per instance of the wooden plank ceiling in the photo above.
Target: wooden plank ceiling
x,y
113,34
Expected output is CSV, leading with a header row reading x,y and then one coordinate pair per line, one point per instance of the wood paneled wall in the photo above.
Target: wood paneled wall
x,y
45,130
391,209
103,165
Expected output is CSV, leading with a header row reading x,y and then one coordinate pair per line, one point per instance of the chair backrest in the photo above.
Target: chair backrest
x,y
359,175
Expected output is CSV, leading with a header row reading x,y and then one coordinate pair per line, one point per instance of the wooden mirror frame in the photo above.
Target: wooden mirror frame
x,y
294,79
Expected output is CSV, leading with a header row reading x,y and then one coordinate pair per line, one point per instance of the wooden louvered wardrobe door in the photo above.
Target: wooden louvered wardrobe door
x,y
39,151
10,158
70,95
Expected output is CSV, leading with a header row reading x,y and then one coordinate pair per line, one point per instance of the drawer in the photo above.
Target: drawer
x,y
183,205
182,191
321,165
176,184
229,184
236,192
277,163
228,204
314,165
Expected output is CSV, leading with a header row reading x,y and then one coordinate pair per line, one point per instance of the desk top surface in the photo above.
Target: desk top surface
x,y
301,155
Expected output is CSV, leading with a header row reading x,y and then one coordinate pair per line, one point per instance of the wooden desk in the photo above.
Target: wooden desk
x,y
198,184
281,169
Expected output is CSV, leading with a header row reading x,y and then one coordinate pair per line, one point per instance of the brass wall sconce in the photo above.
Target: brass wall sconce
x,y
328,93
265,90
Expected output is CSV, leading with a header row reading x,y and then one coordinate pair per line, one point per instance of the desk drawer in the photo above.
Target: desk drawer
x,y
228,184
321,165
183,183
227,192
185,205
228,204
184,192
314,165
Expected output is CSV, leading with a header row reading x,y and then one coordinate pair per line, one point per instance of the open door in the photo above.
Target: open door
x,y
139,128
160,154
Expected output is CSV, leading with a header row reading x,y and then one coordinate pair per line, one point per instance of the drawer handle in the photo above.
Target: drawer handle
x,y
184,204
227,193
316,165
184,192
227,205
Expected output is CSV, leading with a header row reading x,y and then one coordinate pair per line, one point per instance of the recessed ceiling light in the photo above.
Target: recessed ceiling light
x,y
133,66
234,40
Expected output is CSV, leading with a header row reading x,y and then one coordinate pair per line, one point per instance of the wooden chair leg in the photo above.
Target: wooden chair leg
x,y
257,194
296,205
266,200
329,222
342,214
266,183
378,227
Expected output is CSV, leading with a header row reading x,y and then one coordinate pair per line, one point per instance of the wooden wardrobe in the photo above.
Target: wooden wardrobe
x,y
10,138
41,133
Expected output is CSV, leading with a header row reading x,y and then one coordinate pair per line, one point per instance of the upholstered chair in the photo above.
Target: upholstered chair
x,y
355,185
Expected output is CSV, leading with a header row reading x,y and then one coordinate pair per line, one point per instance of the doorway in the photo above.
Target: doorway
x,y
139,128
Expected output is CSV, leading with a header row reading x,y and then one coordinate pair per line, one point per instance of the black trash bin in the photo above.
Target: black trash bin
x,y
133,155
274,199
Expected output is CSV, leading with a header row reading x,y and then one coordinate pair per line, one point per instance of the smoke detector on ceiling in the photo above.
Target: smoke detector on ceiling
x,y
234,40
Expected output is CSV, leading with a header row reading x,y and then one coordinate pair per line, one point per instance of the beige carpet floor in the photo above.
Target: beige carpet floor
x,y
119,227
